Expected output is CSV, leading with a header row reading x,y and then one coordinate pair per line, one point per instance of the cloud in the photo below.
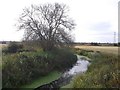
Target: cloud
x,y
101,26
96,20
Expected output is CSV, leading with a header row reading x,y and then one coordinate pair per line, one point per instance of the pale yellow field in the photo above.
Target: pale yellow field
x,y
0,46
3,45
106,49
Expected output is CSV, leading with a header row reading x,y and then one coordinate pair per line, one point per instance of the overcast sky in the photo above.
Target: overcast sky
x,y
96,20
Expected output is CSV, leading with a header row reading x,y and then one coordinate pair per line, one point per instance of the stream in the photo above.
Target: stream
x,y
81,66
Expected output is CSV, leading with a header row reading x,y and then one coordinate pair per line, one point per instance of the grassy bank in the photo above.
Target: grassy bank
x,y
43,80
102,73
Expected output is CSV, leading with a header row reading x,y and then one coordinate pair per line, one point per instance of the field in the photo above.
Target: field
x,y
2,46
104,49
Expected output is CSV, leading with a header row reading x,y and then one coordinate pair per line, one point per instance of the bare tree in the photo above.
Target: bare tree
x,y
49,24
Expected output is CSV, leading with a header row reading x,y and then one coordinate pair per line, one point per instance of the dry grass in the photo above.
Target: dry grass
x,y
105,49
3,45
0,45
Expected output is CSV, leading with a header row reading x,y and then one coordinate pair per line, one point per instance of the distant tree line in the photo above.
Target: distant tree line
x,y
97,44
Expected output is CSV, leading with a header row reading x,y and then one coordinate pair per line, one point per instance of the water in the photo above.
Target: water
x,y
80,66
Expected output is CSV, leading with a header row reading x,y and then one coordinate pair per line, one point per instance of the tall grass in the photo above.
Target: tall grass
x,y
102,73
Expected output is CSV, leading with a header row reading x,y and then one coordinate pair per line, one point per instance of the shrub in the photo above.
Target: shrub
x,y
13,48
64,59
21,68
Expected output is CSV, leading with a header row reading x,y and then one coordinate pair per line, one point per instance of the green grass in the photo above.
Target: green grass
x,y
43,80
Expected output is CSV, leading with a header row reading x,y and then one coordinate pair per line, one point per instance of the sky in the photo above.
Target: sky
x,y
96,20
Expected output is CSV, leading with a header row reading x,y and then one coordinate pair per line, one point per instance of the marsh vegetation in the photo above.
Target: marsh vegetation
x,y
46,53
24,65
103,71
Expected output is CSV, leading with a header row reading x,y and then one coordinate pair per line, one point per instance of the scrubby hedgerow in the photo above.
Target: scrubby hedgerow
x,y
23,67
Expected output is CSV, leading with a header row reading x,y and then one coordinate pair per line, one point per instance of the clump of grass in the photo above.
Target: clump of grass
x,y
88,53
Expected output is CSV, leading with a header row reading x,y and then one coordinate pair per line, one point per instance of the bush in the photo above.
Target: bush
x,y
84,52
13,48
64,59
22,68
